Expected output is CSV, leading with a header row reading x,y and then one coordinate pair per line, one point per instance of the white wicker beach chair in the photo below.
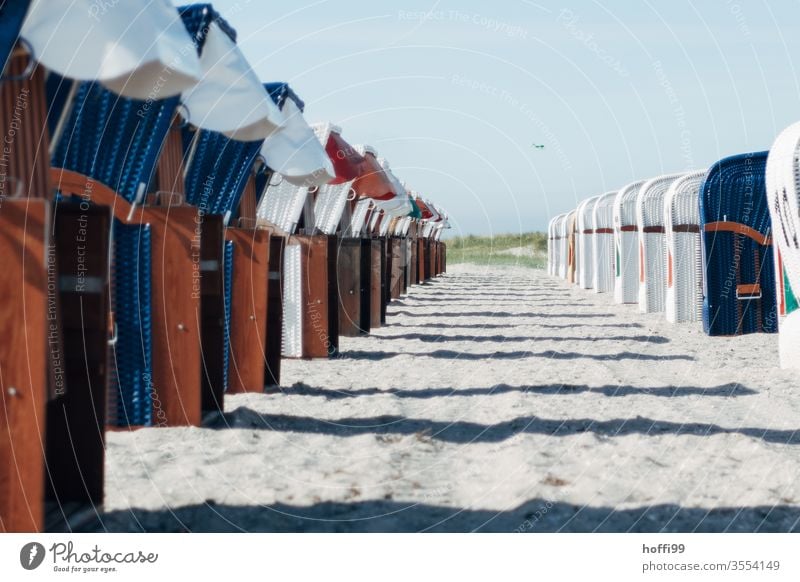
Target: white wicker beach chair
x,y
783,192
626,244
329,206
603,248
684,295
652,243
585,243
282,204
570,247
561,247
552,244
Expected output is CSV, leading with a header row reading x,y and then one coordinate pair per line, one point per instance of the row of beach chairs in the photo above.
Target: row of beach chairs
x,y
717,246
170,229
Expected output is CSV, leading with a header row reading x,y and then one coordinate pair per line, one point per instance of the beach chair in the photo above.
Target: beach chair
x,y
739,294
626,244
554,245
173,383
684,295
311,293
65,383
783,170
585,235
652,243
603,248
568,246
256,316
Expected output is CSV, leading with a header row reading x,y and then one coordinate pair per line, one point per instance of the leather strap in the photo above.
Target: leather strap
x,y
726,226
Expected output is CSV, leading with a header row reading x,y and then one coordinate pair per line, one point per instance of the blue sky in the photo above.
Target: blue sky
x,y
454,94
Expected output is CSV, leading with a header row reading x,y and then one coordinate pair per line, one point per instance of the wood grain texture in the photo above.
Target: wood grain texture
x,y
169,171
314,279
348,273
249,309
176,231
376,295
272,373
212,312
25,149
24,244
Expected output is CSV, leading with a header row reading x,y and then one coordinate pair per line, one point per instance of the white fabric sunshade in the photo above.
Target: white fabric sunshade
x,y
296,153
138,50
229,98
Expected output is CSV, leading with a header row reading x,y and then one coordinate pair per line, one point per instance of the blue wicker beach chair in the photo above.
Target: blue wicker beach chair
x,y
122,144
12,15
739,284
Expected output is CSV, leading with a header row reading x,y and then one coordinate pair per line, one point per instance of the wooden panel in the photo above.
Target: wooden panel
x,y
366,286
414,267
421,260
376,280
212,309
403,265
249,309
169,172
175,237
387,275
348,272
24,151
428,259
176,291
333,295
249,201
397,268
444,257
314,277
272,373
24,227
76,416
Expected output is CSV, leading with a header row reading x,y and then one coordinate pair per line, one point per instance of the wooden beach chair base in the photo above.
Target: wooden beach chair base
x,y
250,309
274,331
376,284
212,313
25,248
176,290
76,411
396,272
349,274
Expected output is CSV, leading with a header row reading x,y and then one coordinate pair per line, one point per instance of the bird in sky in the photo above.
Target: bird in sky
x,y
538,146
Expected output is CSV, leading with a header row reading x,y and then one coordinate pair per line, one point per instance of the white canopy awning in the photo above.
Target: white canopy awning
x,y
296,153
229,98
400,205
138,50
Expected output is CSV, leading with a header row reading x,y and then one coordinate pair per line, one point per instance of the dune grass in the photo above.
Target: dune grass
x,y
524,250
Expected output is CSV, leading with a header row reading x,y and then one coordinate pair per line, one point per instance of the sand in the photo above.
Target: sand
x,y
496,399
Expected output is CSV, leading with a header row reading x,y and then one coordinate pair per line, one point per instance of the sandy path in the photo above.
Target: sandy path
x,y
495,400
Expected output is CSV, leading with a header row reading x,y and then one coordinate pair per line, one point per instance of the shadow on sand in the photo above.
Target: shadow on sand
x,y
501,339
724,391
463,432
535,515
516,355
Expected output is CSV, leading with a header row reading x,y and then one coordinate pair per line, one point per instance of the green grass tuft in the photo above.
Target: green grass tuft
x,y
488,250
